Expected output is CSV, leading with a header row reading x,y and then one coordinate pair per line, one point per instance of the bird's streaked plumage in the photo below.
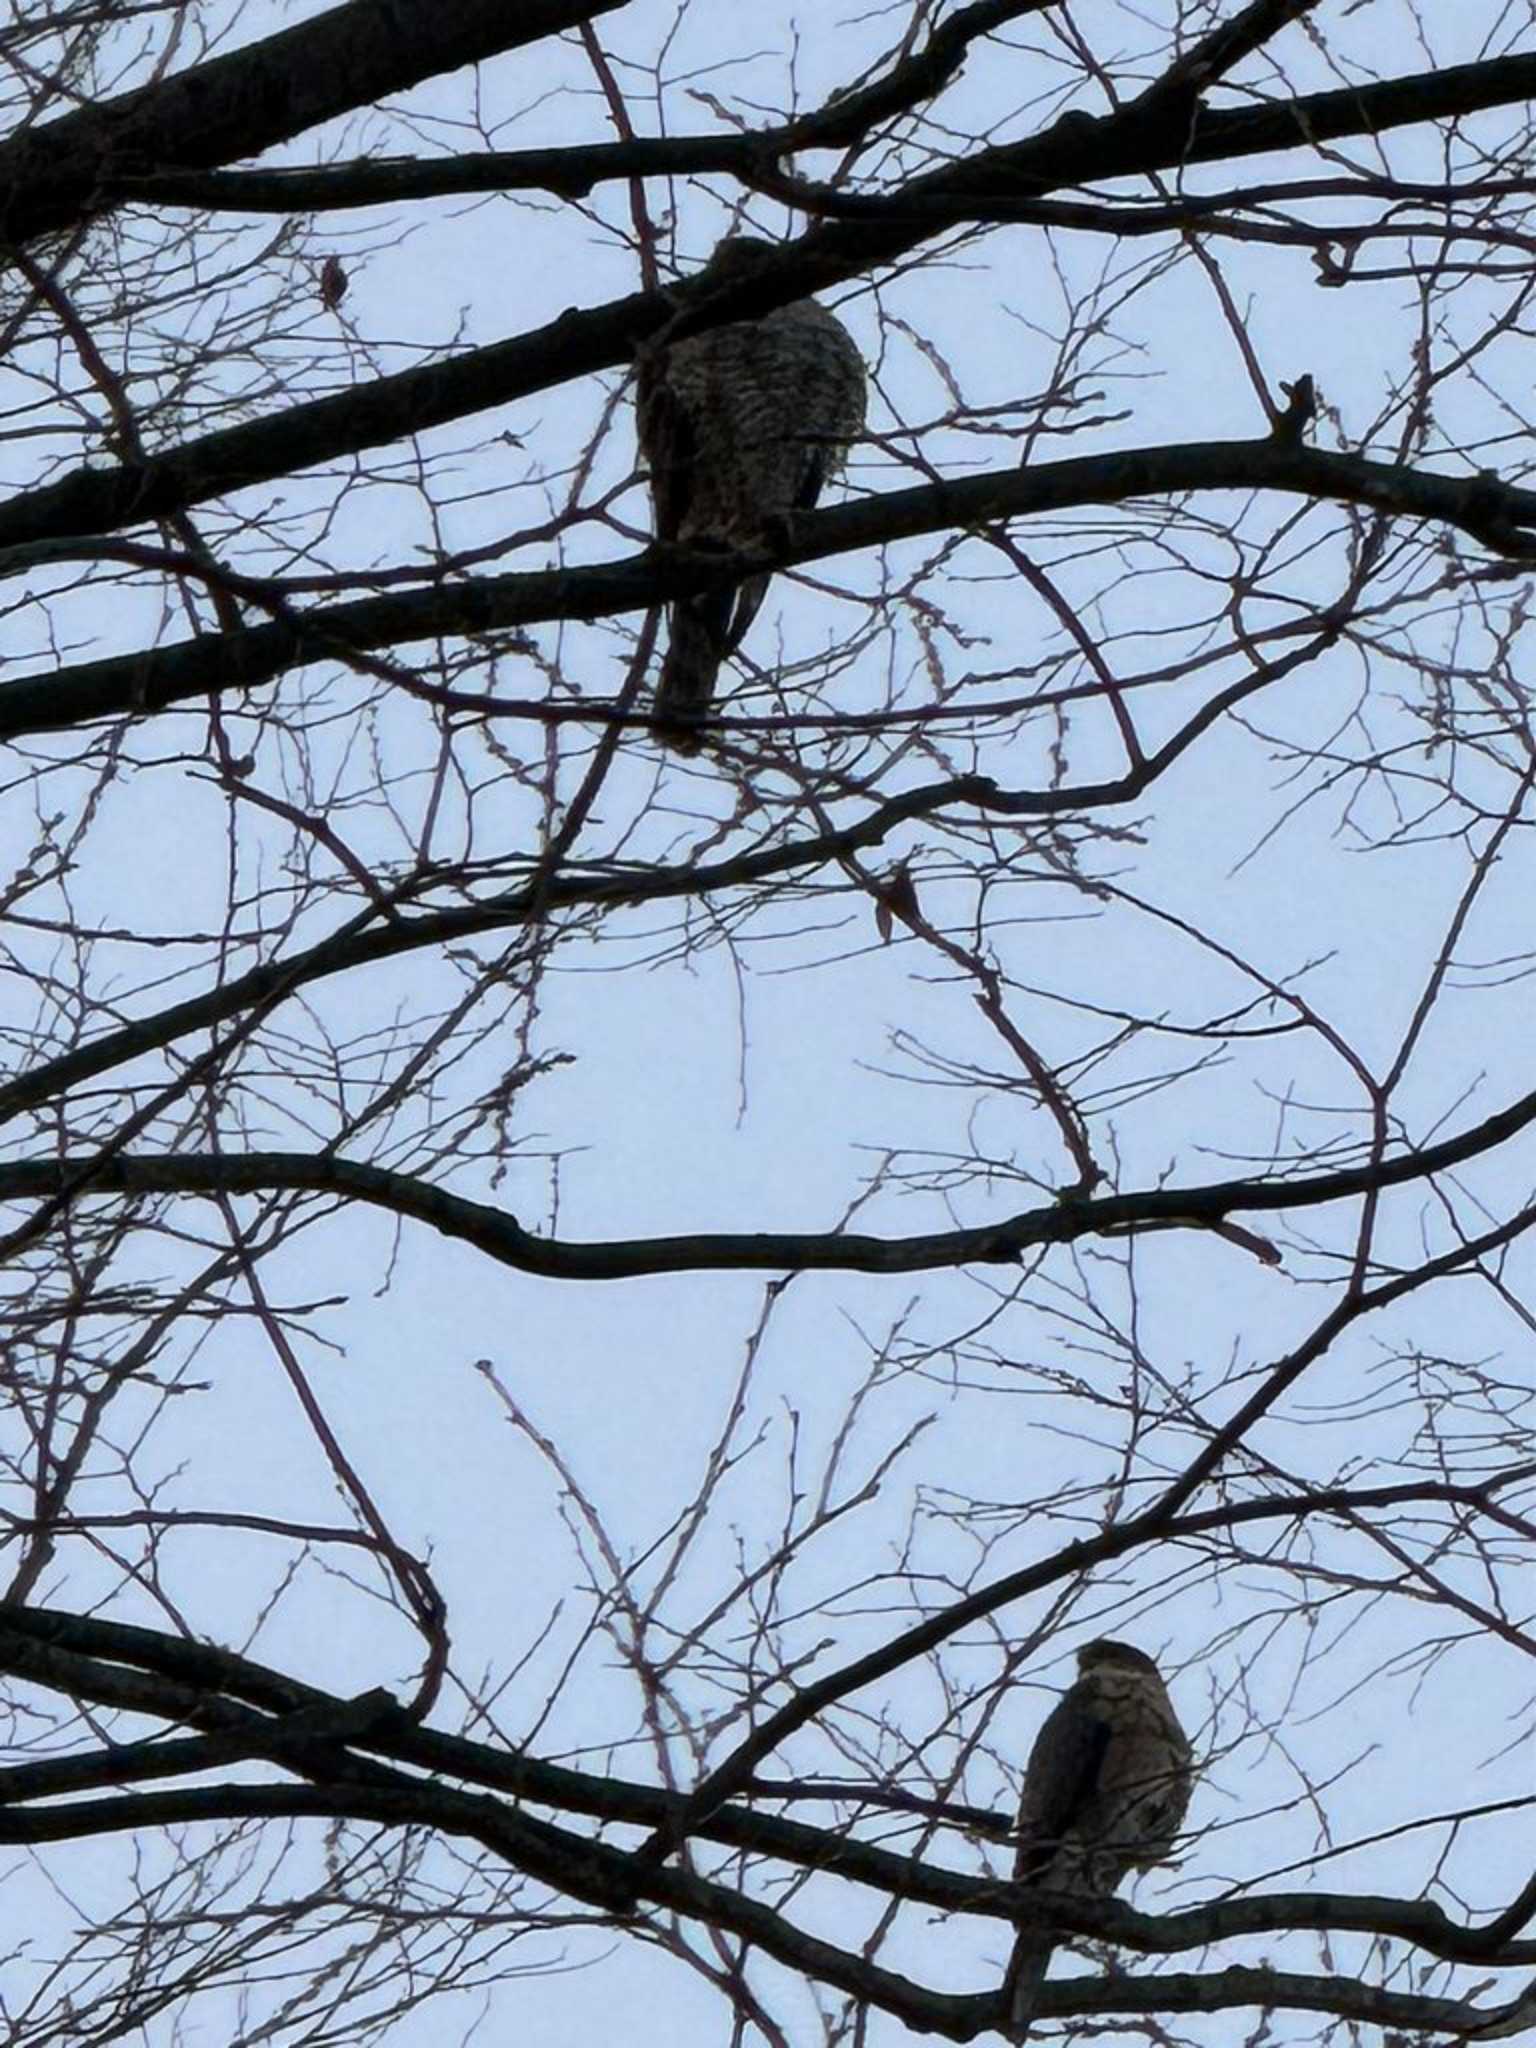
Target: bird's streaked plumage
x,y
740,426
1105,1792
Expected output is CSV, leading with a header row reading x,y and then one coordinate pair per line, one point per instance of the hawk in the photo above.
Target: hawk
x,y
739,427
1105,1791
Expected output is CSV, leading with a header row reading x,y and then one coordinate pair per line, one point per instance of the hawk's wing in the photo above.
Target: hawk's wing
x,y
741,427
1059,1780
819,461
698,634
667,442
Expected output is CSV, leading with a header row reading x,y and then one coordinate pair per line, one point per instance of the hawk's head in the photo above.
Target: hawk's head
x,y
736,256
1107,1654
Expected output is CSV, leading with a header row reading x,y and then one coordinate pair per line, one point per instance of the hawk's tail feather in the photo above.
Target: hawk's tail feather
x,y
701,631
1026,1973
746,602
698,630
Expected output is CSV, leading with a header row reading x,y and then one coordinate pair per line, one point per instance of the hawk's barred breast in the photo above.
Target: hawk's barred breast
x,y
740,426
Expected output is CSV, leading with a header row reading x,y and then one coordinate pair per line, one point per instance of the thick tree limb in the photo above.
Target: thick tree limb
x,y
1498,515
1079,150
247,100
500,1236
573,172
1215,135
249,1710
612,1880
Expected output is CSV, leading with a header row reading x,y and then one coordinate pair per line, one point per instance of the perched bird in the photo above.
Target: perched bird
x,y
740,426
1105,1791
333,283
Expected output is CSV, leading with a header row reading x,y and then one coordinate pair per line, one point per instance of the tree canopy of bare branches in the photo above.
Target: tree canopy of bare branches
x,y
589,1327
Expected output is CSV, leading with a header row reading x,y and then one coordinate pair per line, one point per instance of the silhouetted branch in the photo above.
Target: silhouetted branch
x,y
1499,515
501,1237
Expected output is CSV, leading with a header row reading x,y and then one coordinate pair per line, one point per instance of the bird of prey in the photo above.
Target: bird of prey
x,y
740,426
1105,1791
